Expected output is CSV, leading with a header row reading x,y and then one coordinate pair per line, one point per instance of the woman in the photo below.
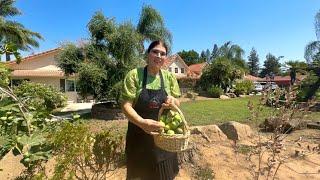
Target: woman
x,y
144,91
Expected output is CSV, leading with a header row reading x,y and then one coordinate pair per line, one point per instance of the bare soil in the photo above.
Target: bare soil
x,y
225,158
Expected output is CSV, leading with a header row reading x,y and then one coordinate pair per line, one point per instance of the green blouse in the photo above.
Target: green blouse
x,y
132,85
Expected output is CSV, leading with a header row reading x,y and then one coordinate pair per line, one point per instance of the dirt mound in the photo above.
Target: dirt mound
x,y
212,155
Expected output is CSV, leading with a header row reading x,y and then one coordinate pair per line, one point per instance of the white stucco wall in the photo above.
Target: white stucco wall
x,y
43,62
177,64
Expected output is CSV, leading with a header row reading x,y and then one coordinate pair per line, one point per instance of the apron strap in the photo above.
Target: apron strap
x,y
145,75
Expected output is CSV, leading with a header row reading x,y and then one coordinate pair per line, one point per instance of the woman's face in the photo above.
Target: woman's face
x,y
157,56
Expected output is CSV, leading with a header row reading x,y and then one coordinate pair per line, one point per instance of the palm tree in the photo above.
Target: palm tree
x,y
13,33
313,48
151,26
231,51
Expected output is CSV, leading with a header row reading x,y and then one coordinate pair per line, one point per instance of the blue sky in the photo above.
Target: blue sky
x,y
281,27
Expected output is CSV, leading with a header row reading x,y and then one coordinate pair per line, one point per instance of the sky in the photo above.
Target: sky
x,y
280,27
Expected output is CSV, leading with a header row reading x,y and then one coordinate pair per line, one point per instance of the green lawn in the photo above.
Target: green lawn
x,y
215,111
219,111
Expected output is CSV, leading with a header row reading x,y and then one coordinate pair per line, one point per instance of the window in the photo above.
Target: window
x,y
176,70
62,85
17,82
182,70
170,69
70,85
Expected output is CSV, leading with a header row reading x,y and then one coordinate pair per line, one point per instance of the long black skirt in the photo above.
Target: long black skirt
x,y
147,162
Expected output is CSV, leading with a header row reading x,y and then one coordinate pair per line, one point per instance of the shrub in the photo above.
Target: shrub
x,y
40,96
83,155
243,87
4,74
215,91
308,85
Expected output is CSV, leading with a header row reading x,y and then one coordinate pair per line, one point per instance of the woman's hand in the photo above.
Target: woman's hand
x,y
150,126
170,101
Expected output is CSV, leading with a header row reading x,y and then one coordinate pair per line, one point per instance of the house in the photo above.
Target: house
x,y
252,78
178,67
197,69
42,68
283,81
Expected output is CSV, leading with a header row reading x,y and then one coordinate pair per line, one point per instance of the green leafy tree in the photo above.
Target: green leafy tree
x,y
40,97
253,62
190,57
271,66
152,27
214,53
312,55
203,56
13,33
232,52
112,50
222,73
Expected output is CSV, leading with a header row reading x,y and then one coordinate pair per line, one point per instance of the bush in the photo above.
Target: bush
x,y
84,155
308,85
243,87
40,96
4,74
215,91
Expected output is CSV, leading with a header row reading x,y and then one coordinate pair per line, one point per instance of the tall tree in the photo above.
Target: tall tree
x,y
151,25
313,48
208,54
113,50
271,66
253,62
13,33
203,56
190,57
214,53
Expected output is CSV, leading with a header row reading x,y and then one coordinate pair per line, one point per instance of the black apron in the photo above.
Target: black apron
x,y
144,159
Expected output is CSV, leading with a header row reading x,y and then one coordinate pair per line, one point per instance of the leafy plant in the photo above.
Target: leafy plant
x,y
204,173
83,155
243,87
215,91
40,97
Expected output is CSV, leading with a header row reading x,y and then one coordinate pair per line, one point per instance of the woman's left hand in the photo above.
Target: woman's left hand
x,y
170,101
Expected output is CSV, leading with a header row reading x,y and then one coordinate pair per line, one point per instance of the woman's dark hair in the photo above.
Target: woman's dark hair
x,y
156,43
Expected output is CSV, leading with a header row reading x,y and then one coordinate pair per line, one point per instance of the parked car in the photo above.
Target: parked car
x,y
271,85
258,87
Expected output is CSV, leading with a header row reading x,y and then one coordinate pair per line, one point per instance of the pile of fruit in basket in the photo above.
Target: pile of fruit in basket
x,y
172,122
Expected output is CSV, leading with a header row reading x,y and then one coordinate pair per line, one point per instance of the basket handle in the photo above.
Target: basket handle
x,y
174,107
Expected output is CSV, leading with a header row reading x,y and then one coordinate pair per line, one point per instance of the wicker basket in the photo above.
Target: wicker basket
x,y
176,142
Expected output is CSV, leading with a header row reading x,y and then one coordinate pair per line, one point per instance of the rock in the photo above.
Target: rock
x,y
314,125
236,131
209,132
224,97
231,95
243,96
191,95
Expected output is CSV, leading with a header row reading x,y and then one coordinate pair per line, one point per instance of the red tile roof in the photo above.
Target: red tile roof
x,y
252,78
198,68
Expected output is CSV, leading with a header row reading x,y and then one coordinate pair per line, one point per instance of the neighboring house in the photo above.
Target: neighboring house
x,y
197,69
42,68
178,67
284,81
252,78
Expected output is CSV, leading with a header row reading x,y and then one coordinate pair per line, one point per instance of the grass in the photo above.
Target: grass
x,y
218,111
